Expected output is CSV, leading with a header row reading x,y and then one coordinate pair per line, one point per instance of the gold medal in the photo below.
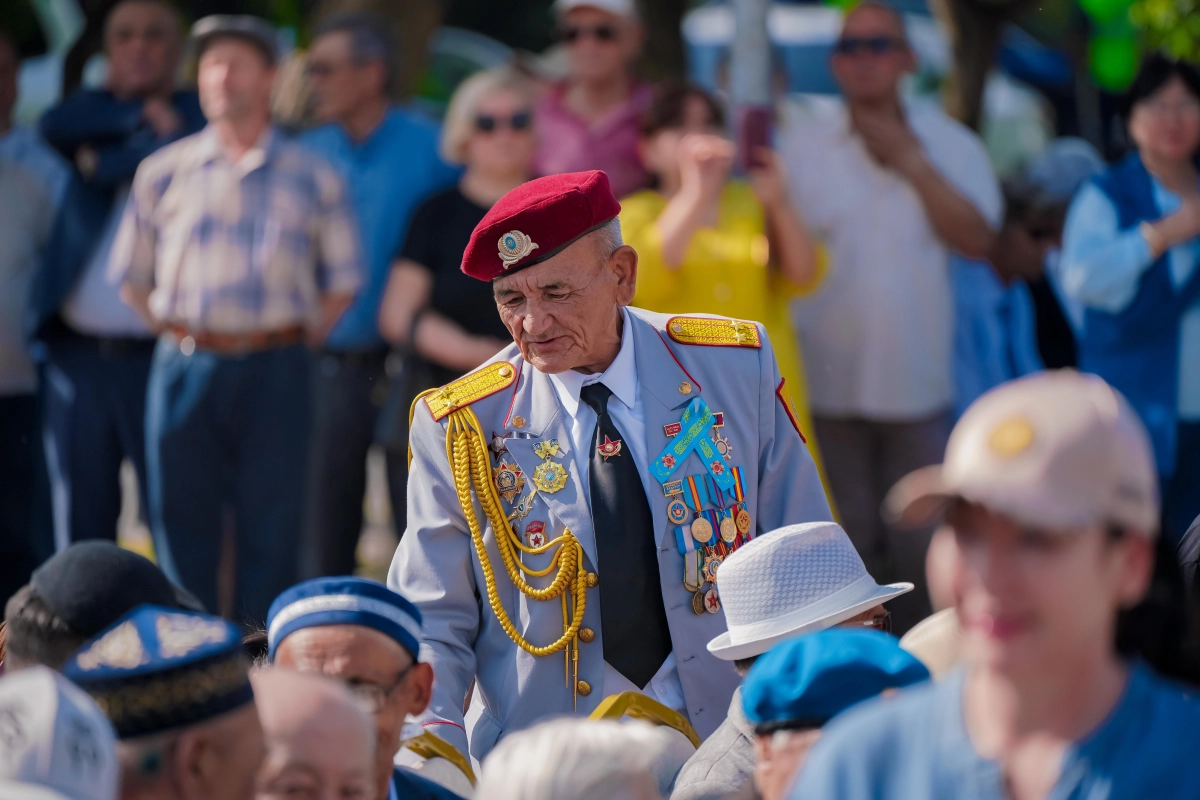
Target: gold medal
x,y
549,477
509,481
743,521
677,511
701,529
698,603
710,567
546,449
729,530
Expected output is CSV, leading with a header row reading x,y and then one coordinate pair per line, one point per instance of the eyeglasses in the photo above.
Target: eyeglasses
x,y
520,121
880,622
601,33
875,45
321,69
372,697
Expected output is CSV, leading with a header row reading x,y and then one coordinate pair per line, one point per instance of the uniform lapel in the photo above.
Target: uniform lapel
x,y
537,403
661,378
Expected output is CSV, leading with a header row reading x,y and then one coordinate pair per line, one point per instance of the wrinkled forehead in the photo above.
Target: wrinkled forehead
x,y
342,647
873,19
575,267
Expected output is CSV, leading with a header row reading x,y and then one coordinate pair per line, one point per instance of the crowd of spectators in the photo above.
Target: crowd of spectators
x,y
242,312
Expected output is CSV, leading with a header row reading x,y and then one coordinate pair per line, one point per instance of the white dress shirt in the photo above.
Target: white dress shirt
x,y
877,334
625,408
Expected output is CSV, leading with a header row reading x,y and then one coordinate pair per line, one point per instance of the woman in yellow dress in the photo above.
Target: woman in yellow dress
x,y
710,244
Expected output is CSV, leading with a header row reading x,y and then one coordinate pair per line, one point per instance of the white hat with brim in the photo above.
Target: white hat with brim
x,y
1057,451
795,580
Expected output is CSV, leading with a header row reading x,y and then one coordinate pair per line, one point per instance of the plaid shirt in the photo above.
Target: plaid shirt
x,y
237,248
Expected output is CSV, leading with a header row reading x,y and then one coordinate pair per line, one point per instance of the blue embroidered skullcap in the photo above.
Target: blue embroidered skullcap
x,y
806,681
156,669
343,601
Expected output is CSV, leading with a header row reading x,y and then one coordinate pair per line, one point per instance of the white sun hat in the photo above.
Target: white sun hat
x,y
621,8
55,744
794,580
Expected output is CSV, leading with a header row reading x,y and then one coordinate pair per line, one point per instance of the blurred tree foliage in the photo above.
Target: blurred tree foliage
x,y
1169,25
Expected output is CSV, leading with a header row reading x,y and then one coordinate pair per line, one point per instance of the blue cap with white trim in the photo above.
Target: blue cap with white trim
x,y
343,601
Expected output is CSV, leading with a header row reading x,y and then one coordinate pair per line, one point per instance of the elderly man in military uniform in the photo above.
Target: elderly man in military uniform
x,y
571,501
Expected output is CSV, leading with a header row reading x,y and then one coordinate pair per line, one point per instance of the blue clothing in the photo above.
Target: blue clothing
x,y
408,785
388,175
23,146
916,745
995,338
228,433
1107,266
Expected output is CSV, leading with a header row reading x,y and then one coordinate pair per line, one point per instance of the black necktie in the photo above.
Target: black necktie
x,y
632,616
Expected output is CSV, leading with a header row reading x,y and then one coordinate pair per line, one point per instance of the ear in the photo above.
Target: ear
x,y
420,689
194,762
1136,552
624,262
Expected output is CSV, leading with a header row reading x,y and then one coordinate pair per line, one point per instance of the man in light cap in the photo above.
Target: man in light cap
x,y
571,500
1050,489
369,637
54,743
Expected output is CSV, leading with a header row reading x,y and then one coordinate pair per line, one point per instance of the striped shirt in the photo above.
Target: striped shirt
x,y
237,247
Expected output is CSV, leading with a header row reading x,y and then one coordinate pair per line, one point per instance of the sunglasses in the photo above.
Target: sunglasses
x,y
875,45
880,622
520,121
601,33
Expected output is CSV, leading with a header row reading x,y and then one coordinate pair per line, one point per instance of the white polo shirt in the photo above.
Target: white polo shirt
x,y
877,334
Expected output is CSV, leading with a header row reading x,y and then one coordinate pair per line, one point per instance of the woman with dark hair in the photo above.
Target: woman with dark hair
x,y
711,244
1130,251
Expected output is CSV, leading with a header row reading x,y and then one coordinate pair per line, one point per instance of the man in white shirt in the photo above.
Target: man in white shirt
x,y
892,190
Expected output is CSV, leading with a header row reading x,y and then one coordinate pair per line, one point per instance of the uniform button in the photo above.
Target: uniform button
x,y
504,371
518,422
592,580
676,327
586,635
584,688
685,388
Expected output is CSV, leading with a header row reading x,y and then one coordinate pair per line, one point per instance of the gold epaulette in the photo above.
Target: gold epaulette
x,y
469,388
713,332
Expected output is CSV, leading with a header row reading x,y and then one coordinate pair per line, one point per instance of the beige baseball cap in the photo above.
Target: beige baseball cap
x,y
1056,450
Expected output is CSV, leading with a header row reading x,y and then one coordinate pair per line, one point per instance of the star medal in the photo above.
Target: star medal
x,y
677,511
497,446
702,531
509,480
545,450
698,603
723,445
535,533
609,448
742,520
712,603
729,530
549,477
711,564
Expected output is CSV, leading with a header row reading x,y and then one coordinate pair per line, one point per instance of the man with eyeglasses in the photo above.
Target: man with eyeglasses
x,y
389,161
369,637
590,120
892,188
815,580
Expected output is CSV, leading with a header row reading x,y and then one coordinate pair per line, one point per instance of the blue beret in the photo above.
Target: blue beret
x,y
806,681
157,668
344,601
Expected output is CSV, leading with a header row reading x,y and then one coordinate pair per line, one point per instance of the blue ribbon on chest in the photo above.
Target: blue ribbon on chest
x,y
696,422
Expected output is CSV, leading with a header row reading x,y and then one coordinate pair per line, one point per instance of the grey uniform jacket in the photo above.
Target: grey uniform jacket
x,y
436,567
724,762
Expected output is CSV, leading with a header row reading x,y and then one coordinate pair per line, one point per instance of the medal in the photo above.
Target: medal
x,y
549,477
509,481
702,531
729,530
711,564
695,423
712,603
672,487
698,603
497,446
672,429
723,445
535,533
609,448
677,511
742,520
523,506
545,450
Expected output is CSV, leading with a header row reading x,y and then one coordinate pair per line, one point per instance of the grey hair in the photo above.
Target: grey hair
x,y
581,759
608,237
369,40
459,122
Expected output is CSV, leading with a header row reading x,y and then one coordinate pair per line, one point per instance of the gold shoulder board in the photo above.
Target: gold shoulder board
x,y
713,332
469,388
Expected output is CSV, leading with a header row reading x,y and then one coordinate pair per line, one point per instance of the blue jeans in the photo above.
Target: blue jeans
x,y
227,441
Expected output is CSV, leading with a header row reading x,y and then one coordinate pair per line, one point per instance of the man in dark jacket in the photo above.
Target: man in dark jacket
x,y
95,350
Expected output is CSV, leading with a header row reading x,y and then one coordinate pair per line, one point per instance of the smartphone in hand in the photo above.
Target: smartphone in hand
x,y
753,134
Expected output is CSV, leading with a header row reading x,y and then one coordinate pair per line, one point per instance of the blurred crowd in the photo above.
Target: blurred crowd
x,y
242,310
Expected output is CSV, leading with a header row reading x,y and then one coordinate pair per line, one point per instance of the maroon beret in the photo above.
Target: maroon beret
x,y
537,220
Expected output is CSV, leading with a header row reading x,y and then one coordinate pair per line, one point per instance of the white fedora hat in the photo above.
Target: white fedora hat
x,y
797,579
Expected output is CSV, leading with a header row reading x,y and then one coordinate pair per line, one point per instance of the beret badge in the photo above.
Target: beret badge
x,y
514,246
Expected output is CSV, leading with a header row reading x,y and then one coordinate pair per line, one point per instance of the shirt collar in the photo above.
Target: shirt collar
x,y
620,377
208,149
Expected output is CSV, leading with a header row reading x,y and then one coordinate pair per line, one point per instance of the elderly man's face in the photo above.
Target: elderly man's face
x,y
564,313
143,44
235,80
871,72
376,668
